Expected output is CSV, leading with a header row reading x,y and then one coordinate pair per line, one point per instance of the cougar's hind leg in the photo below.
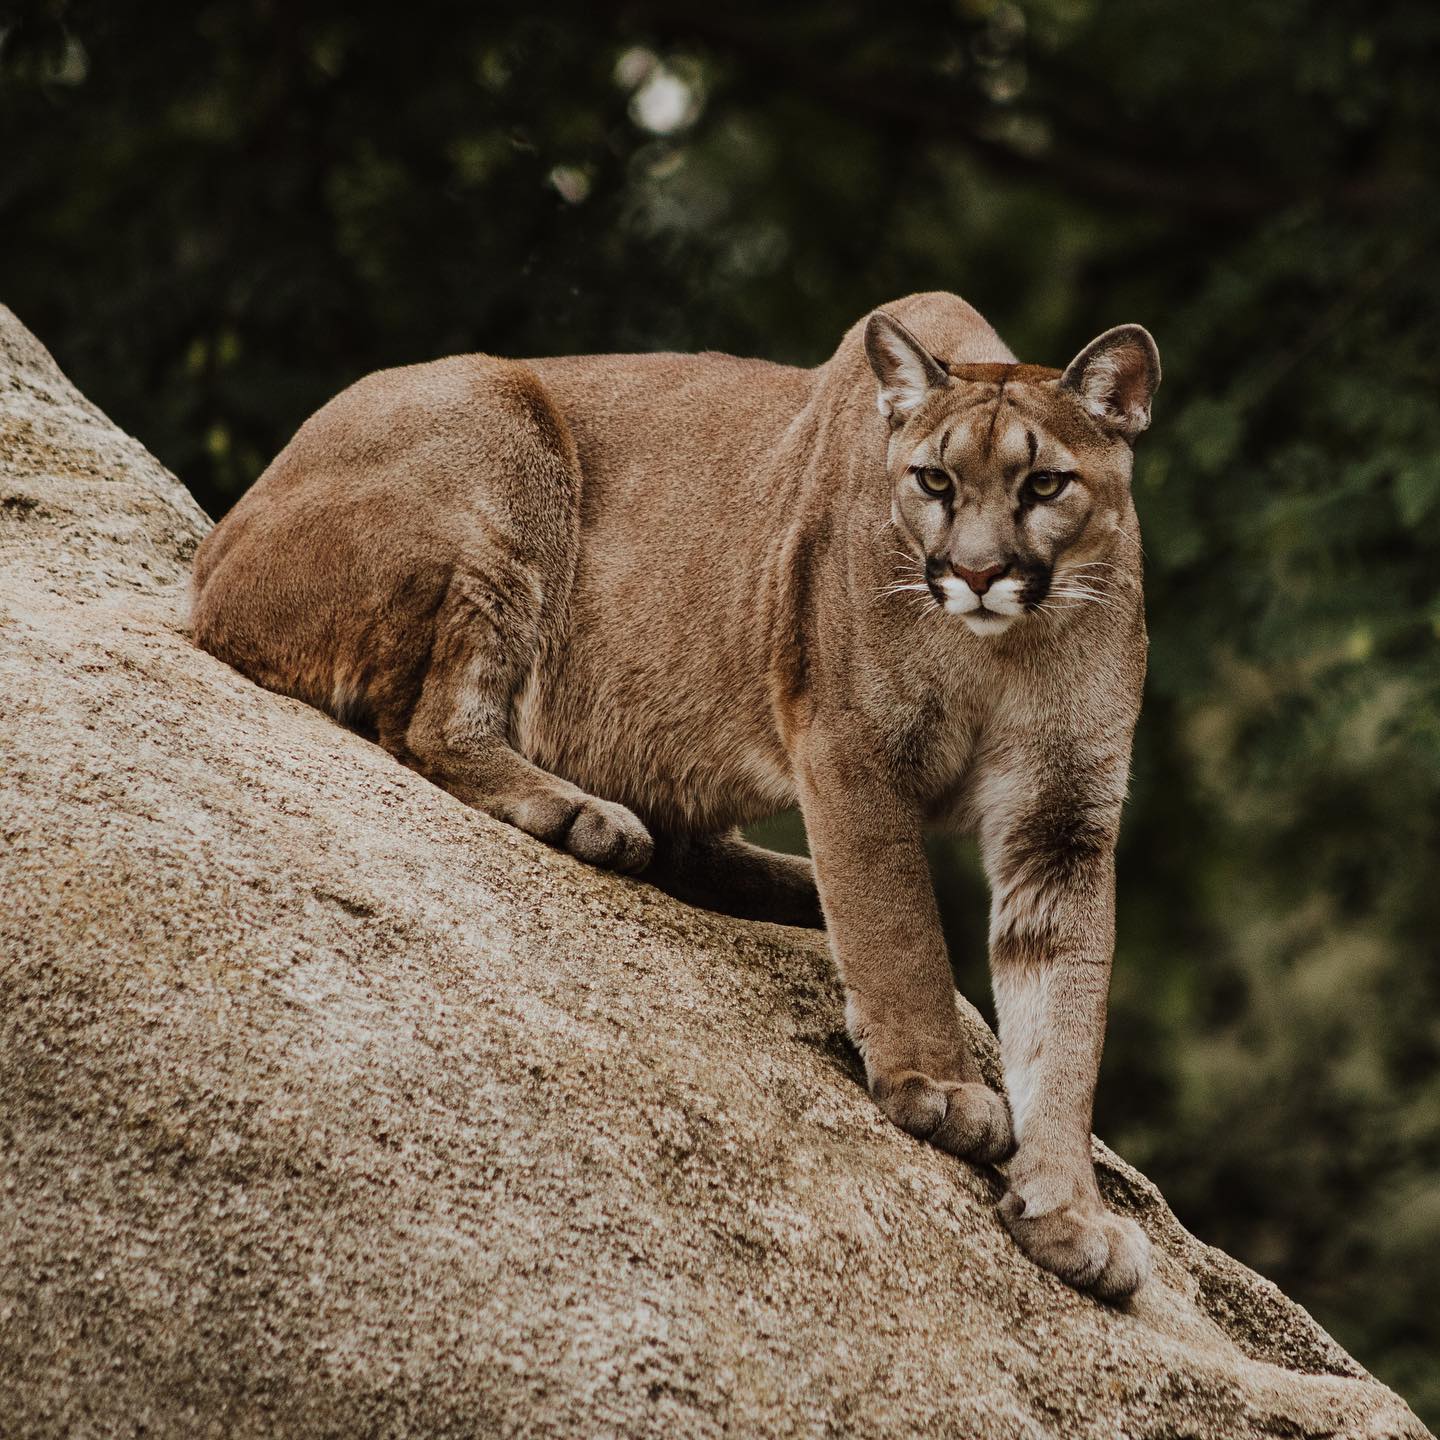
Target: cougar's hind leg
x,y
728,874
458,734
507,604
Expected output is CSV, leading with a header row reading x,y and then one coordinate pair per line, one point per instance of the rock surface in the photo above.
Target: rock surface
x,y
329,1107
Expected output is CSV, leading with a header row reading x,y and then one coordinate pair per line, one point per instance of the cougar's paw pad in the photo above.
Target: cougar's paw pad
x,y
1086,1246
607,834
963,1118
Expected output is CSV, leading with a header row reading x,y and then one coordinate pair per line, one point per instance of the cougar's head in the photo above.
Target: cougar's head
x,y
1011,483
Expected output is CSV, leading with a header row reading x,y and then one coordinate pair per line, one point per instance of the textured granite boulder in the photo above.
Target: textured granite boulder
x,y
328,1107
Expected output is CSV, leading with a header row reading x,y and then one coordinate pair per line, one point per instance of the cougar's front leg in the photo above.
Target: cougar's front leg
x,y
885,933
1050,859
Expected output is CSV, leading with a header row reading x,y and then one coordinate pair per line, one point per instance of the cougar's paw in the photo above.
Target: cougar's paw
x,y
1086,1245
963,1118
545,816
607,834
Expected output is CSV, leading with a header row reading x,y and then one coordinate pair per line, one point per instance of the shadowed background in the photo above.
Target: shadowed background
x,y
217,214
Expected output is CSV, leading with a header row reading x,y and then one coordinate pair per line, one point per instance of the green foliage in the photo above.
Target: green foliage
x,y
219,213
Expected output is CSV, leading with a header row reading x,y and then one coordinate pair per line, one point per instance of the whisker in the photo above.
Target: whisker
x,y
1129,539
1088,578
1085,588
1091,572
1082,597
1080,592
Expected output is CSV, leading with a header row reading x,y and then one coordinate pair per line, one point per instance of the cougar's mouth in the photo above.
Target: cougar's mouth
x,y
990,613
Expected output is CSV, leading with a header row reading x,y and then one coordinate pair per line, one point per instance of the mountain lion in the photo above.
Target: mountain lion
x,y
630,603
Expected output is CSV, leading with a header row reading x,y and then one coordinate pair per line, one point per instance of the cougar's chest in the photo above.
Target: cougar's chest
x,y
948,767
949,736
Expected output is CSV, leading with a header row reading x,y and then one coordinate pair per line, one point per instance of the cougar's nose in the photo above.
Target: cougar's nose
x,y
979,580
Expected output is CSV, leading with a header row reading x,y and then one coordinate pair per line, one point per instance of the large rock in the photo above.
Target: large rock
x,y
329,1107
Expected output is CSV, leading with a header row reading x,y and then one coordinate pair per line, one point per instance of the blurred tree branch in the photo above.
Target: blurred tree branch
x,y
1107,171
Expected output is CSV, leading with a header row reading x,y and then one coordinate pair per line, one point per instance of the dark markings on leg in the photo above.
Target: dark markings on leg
x,y
1059,840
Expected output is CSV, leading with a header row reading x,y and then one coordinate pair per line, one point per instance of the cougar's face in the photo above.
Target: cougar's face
x,y
1004,503
1010,482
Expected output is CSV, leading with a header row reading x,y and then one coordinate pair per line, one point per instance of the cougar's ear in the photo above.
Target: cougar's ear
x,y
1114,377
906,370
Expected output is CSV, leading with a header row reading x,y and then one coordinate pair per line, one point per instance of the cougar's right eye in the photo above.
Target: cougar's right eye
x,y
933,482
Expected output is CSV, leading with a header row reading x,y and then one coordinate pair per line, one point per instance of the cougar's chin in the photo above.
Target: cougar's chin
x,y
987,622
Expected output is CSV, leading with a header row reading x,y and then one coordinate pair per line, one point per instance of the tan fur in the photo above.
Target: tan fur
x,y
630,603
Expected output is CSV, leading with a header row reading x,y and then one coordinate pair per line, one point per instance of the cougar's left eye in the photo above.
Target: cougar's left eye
x,y
933,482
1046,484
